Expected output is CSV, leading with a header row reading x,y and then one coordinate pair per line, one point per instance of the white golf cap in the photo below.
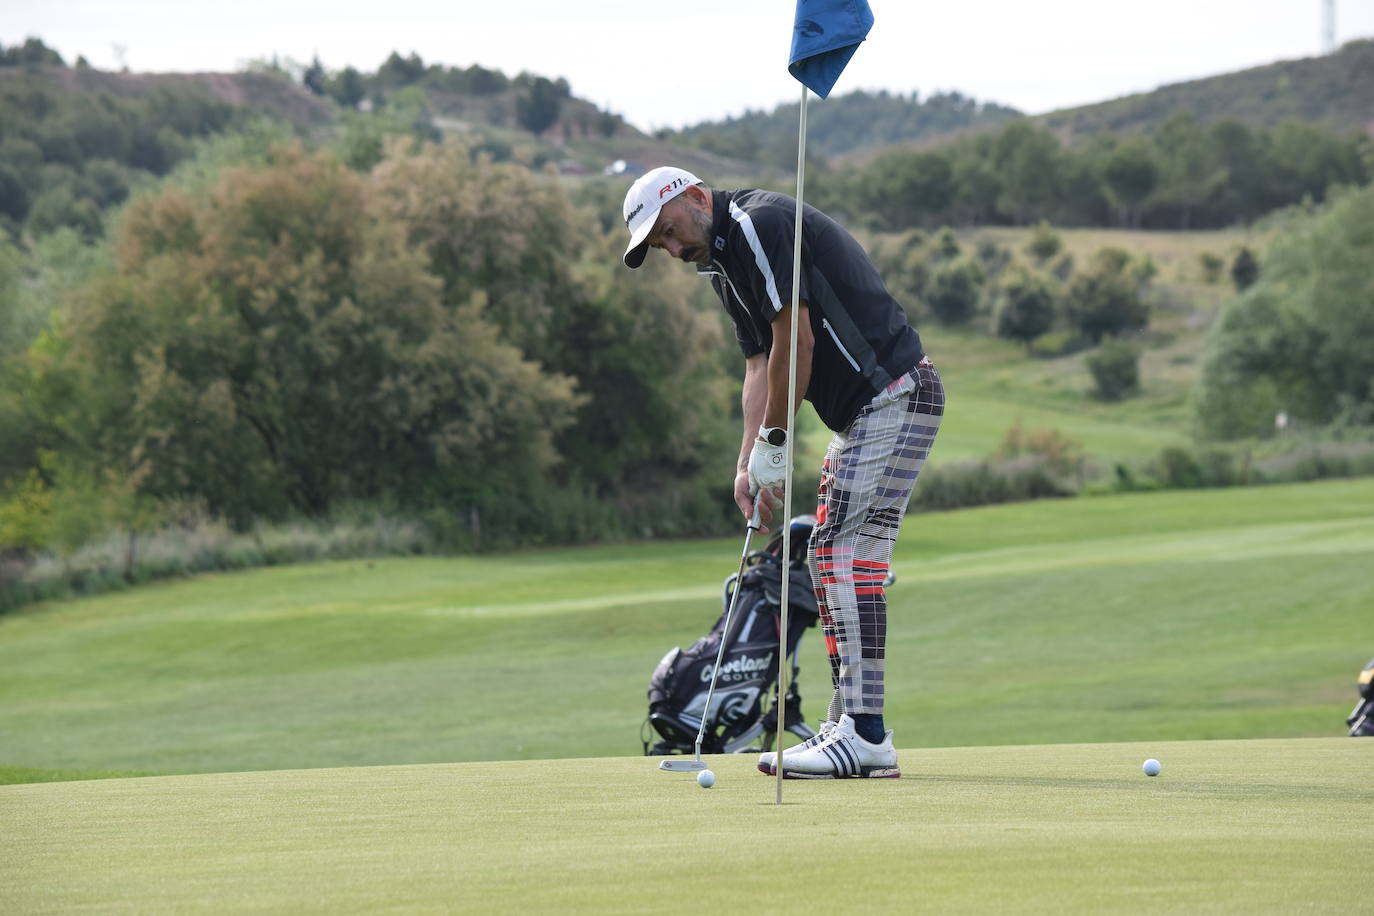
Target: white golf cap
x,y
643,201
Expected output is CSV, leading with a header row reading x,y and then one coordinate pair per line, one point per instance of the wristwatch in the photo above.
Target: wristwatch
x,y
773,435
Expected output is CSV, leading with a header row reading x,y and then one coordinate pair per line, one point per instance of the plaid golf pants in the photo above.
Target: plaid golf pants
x,y
869,472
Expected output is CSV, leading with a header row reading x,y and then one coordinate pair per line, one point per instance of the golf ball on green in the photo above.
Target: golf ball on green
x,y
706,779
1151,767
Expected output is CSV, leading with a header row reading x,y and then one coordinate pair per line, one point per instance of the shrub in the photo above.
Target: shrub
x,y
1025,308
1044,243
954,290
964,484
1211,266
1115,370
1107,298
1244,270
1060,453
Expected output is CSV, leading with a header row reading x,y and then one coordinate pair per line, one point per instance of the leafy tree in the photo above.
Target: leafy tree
x,y
1107,298
1243,154
498,230
945,244
1298,339
314,77
14,335
1244,270
481,81
1131,175
25,512
1044,243
14,193
537,108
1308,161
905,188
1115,368
347,88
1027,157
276,345
397,71
978,183
1190,171
1025,308
30,54
1212,265
60,207
954,290
636,342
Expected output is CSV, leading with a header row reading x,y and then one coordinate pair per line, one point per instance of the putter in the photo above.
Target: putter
x,y
688,766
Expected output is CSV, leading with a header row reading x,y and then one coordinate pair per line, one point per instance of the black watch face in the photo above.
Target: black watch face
x,y
777,436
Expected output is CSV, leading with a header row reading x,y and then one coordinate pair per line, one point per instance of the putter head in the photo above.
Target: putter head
x,y
682,766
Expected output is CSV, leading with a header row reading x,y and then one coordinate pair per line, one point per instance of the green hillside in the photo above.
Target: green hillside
x,y
1335,91
841,124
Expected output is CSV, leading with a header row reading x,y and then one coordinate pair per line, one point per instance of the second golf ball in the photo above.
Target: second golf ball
x,y
1151,767
706,779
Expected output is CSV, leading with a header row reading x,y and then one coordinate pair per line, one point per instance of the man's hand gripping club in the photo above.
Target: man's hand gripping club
x,y
759,488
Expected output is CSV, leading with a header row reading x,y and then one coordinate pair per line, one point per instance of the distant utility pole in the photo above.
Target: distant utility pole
x,y
1328,26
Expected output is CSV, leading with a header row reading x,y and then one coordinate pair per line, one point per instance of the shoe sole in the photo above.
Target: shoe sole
x,y
865,773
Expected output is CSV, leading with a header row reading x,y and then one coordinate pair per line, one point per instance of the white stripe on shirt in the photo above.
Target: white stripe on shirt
x,y
760,258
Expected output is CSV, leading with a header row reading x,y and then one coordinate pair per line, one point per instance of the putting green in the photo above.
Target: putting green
x,y
1229,826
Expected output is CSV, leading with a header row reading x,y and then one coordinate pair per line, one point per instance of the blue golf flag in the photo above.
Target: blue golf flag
x,y
824,38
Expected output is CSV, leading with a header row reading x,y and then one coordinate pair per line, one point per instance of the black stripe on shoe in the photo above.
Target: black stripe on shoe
x,y
842,758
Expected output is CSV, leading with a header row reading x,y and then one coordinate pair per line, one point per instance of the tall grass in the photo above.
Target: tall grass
x,y
202,544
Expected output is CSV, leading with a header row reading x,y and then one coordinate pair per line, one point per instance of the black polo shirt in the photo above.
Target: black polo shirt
x,y
863,340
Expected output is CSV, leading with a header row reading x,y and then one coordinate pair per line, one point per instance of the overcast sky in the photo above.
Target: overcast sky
x,y
668,64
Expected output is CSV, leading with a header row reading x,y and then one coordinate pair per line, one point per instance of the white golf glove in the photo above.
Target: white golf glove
x,y
767,466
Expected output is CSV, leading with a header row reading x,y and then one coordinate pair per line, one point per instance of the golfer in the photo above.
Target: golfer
x,y
862,367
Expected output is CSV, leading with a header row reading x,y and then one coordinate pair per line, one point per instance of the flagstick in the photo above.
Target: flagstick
x,y
783,668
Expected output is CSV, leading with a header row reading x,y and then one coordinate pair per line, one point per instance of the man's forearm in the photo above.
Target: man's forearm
x,y
779,412
754,404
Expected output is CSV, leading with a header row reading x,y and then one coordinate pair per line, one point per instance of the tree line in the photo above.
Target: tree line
x,y
839,125
536,101
65,157
1183,175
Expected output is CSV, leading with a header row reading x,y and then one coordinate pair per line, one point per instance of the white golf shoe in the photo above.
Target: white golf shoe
x,y
768,760
842,754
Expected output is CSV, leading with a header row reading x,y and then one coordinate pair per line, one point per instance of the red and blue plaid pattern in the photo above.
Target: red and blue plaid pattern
x,y
869,473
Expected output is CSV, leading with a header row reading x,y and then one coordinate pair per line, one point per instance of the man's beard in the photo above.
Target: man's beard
x,y
698,254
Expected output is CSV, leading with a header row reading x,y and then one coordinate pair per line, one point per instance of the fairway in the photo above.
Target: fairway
x,y
1238,613
1228,827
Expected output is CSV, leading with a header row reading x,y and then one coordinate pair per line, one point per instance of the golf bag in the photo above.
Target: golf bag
x,y
749,667
1361,720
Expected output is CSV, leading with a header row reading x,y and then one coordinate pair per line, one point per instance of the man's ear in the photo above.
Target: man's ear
x,y
697,194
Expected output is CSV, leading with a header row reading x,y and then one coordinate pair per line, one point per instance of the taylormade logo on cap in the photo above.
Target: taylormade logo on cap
x,y
643,201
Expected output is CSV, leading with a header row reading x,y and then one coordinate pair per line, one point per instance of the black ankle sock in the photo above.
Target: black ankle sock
x,y
869,727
